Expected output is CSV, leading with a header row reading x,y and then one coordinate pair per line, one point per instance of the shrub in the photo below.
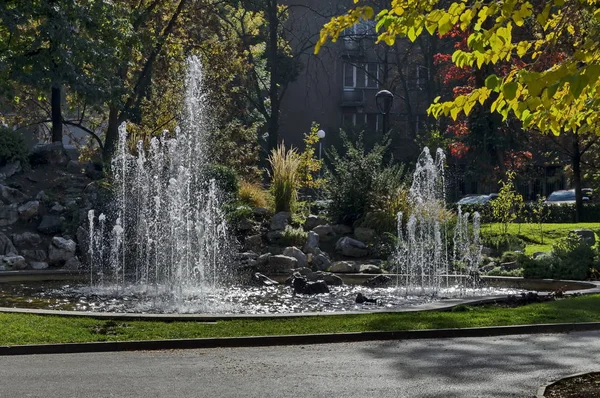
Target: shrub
x,y
235,214
12,147
253,195
503,243
359,182
509,204
284,177
499,271
226,179
309,164
294,236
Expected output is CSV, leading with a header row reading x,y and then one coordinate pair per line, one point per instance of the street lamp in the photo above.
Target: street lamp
x,y
384,100
321,135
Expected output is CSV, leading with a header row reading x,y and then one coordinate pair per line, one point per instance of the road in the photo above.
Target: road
x,y
495,367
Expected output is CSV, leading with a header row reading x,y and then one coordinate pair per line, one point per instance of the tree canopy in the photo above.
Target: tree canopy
x,y
546,92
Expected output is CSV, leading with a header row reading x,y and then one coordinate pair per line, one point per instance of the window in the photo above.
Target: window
x,y
370,122
422,77
361,29
361,75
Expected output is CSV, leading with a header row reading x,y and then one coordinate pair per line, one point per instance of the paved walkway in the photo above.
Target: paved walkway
x,y
495,367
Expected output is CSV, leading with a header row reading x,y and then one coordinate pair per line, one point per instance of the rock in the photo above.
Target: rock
x,y
274,236
53,153
351,247
264,280
26,239
325,232
378,281
364,234
29,210
486,251
327,277
34,255
57,208
51,225
247,259
293,251
313,221
280,220
538,254
253,242
281,264
263,259
61,250
10,170
342,229
6,246
13,262
8,215
83,241
312,242
75,167
42,197
302,286
11,196
321,261
244,225
585,235
361,299
343,267
510,266
38,265
260,212
369,269
72,264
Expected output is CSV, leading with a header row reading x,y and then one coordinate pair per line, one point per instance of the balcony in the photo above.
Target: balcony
x,y
352,46
353,97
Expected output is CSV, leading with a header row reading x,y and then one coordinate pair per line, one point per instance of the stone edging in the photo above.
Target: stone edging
x,y
541,392
262,341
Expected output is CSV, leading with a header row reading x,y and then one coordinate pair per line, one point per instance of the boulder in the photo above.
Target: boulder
x,y
6,246
280,264
26,239
57,208
327,277
313,221
263,259
325,232
364,234
260,212
72,264
61,250
42,197
378,281
8,215
51,225
510,266
264,280
53,154
280,220
321,261
342,229
361,299
11,196
34,255
75,167
253,242
343,267
586,235
351,247
312,242
38,265
538,254
29,210
274,236
247,259
369,269
302,286
10,170
13,262
293,251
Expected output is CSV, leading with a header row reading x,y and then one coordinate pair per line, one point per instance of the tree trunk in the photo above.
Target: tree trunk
x,y
273,122
57,125
576,164
112,135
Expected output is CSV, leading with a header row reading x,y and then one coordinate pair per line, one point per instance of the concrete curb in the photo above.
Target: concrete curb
x,y
541,392
262,341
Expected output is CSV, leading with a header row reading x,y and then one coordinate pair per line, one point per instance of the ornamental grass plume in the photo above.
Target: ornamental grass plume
x,y
284,177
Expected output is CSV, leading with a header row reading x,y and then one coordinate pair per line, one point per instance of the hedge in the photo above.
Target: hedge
x,y
558,213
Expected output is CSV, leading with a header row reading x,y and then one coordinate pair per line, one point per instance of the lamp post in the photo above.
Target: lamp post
x,y
321,135
384,100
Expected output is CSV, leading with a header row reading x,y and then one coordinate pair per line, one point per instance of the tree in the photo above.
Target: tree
x,y
564,97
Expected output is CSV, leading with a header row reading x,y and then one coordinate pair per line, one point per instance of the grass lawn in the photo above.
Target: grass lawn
x,y
530,233
35,329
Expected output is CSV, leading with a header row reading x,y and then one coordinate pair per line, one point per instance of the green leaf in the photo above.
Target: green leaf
x,y
492,82
445,24
577,83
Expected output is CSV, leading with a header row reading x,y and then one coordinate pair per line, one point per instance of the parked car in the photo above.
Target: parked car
x,y
566,196
477,199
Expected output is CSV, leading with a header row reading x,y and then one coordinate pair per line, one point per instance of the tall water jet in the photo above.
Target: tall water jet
x,y
422,254
169,234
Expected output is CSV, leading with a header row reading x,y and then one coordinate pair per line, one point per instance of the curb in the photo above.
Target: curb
x,y
541,392
263,341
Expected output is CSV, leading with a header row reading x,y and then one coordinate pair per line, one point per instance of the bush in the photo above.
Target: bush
x,y
253,195
294,236
226,179
285,179
13,147
571,258
235,214
503,243
499,271
359,182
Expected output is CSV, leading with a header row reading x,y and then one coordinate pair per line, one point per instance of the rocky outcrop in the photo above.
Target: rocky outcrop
x,y
293,251
321,261
53,154
378,281
280,264
13,262
61,250
280,220
26,240
351,247
369,269
6,246
343,267
312,243
302,286
325,232
586,235
29,210
8,215
313,221
51,225
11,196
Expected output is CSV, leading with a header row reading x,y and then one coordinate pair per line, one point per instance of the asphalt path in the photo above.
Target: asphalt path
x,y
511,366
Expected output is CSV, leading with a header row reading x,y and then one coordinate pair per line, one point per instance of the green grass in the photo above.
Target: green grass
x,y
35,329
530,233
